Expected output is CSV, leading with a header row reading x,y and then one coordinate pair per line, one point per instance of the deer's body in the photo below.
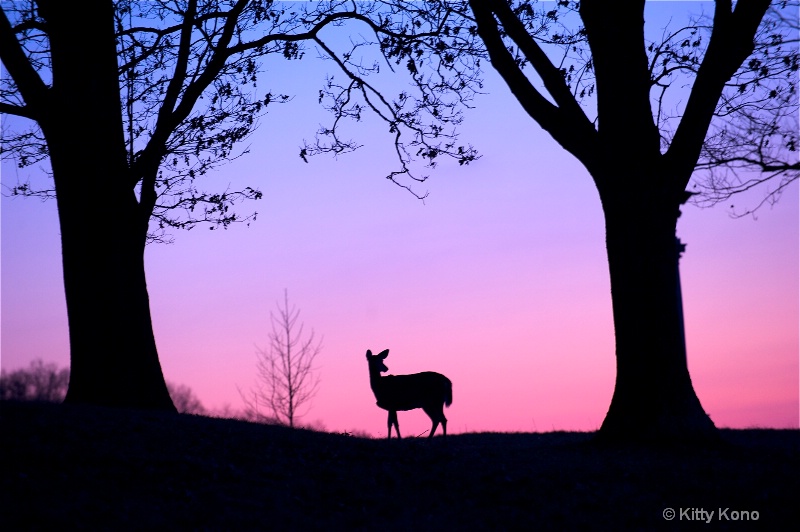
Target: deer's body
x,y
428,390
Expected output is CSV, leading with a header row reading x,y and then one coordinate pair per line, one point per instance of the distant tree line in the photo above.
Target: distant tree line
x,y
46,382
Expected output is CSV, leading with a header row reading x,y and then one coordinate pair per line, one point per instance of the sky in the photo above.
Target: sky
x,y
498,280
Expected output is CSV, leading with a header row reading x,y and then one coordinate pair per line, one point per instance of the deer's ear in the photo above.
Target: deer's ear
x,y
369,353
383,354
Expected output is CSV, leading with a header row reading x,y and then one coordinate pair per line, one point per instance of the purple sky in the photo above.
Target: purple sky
x,y
499,280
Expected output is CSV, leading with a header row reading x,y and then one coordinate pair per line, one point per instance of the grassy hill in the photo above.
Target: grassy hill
x,y
91,468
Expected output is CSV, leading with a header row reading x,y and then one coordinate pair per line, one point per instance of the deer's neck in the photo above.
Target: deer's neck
x,y
375,382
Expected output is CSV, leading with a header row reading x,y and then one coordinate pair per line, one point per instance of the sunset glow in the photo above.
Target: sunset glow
x,y
498,280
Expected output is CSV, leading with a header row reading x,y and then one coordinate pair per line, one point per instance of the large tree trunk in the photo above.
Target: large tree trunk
x,y
114,361
653,397
113,356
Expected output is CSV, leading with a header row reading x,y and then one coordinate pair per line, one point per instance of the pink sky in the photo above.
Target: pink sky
x,y
499,281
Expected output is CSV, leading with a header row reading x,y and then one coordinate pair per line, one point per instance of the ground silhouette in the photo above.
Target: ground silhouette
x,y
115,469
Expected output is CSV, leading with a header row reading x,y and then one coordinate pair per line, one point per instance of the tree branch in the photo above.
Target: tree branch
x,y
552,77
30,85
731,42
152,158
17,110
571,130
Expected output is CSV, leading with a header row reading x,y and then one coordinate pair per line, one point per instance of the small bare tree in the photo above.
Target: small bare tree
x,y
286,380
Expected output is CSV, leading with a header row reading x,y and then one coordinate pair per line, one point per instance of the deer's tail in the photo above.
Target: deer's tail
x,y
448,393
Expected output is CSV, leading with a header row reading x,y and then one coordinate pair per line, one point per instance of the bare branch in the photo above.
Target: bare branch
x,y
729,46
28,81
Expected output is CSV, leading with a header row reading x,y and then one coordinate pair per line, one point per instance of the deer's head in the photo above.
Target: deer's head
x,y
376,361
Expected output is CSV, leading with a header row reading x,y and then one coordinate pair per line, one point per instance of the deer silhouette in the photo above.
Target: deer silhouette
x,y
427,390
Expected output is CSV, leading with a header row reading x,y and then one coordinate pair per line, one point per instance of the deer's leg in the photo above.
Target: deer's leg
x,y
436,417
393,421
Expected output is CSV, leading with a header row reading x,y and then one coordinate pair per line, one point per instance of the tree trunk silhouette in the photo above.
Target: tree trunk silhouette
x,y
641,196
113,356
654,399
